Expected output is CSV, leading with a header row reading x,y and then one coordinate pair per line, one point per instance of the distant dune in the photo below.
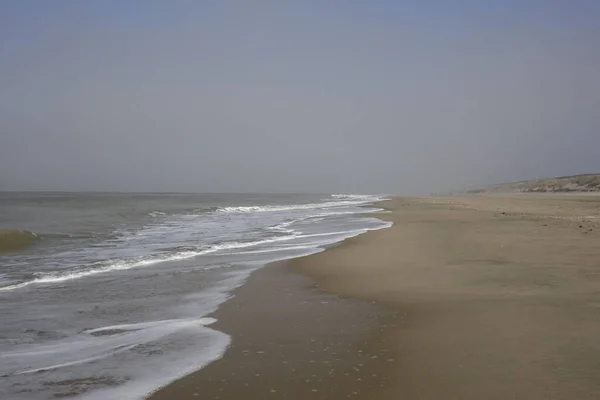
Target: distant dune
x,y
561,184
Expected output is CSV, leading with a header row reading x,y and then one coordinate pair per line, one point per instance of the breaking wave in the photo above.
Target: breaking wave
x,y
352,201
15,239
137,262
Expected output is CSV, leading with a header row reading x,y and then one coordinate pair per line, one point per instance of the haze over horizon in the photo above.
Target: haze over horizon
x,y
227,96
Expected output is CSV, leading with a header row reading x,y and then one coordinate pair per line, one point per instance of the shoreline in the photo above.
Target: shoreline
x,y
353,323
493,297
291,340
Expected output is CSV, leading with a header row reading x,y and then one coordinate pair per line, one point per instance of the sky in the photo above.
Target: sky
x,y
403,97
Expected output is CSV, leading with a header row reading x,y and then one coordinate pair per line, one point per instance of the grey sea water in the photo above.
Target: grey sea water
x,y
109,296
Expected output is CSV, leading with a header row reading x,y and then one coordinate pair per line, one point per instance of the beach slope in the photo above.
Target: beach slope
x,y
500,294
482,297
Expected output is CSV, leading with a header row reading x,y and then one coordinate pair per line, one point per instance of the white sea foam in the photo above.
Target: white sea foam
x,y
120,265
153,377
284,226
153,233
76,362
275,249
174,231
93,346
136,263
165,329
352,201
337,233
94,270
354,196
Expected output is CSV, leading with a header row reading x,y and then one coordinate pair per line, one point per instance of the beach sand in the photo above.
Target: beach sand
x,y
483,297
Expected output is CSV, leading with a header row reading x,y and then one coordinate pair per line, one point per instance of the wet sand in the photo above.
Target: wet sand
x,y
291,341
484,297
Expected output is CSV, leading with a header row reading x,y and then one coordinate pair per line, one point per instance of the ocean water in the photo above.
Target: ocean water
x,y
109,296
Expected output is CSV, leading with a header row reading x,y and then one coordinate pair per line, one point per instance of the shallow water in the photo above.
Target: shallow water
x,y
111,299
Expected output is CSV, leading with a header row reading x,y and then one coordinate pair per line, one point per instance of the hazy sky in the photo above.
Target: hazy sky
x,y
325,96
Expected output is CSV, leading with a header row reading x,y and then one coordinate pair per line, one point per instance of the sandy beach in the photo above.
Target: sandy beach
x,y
483,297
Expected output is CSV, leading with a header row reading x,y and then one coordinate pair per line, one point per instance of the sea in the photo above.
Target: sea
x,y
110,296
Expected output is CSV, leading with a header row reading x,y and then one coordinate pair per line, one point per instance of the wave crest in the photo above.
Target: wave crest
x,y
137,262
15,239
351,201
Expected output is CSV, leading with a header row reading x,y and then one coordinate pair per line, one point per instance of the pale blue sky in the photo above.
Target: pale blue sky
x,y
328,96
